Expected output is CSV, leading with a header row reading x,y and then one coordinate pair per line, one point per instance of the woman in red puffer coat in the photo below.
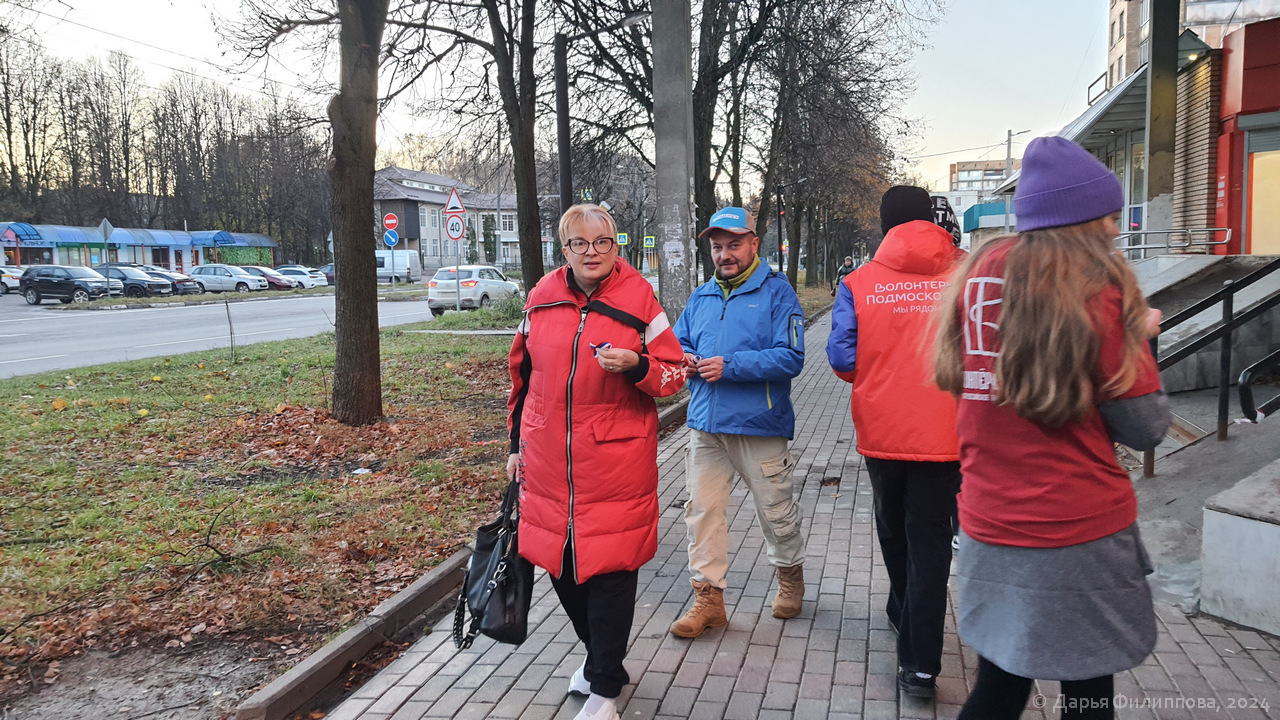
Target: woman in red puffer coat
x,y
594,349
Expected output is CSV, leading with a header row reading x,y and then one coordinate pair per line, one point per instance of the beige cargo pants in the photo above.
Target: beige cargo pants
x,y
765,464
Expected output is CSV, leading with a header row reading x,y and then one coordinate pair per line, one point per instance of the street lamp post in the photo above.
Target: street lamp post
x,y
561,49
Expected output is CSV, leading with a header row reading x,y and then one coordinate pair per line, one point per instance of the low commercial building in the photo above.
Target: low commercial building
x,y
25,244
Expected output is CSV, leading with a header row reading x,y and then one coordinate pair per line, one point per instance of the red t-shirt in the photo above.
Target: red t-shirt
x,y
1026,485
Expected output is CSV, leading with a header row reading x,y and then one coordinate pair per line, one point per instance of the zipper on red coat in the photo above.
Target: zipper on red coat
x,y
568,447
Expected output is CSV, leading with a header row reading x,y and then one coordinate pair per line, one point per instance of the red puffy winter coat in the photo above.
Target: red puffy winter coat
x,y
588,438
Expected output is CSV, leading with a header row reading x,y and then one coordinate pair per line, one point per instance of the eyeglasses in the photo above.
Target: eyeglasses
x,y
579,246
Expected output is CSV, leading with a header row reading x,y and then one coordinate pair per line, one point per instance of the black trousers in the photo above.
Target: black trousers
x,y
601,610
914,503
1000,695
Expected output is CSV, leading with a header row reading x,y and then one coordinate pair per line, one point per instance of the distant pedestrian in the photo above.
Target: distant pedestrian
x,y
905,425
593,351
844,270
743,338
1043,338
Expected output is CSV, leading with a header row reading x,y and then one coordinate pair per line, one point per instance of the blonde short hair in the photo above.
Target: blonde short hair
x,y
584,213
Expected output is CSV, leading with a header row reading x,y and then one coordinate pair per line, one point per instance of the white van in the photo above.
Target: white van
x,y
407,266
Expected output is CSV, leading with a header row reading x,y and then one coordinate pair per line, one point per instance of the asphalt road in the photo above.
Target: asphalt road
x,y
36,338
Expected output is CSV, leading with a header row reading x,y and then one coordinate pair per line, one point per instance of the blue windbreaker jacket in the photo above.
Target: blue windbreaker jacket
x,y
759,331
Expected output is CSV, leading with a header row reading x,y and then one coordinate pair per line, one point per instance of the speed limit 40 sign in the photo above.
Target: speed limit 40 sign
x,y
454,227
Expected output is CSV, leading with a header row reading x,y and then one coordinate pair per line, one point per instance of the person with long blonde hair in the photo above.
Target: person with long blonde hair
x,y
1042,338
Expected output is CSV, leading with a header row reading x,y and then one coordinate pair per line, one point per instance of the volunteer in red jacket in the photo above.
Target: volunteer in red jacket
x,y
1043,337
593,351
881,328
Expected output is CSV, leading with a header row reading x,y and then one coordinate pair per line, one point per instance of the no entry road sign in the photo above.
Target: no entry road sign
x,y
390,221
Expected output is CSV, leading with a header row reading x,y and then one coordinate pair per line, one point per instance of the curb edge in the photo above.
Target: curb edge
x,y
309,677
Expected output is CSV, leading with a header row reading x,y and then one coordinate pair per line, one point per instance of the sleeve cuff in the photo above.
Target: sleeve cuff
x,y
638,373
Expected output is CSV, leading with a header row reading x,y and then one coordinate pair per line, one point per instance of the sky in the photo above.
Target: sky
x,y
998,65
990,66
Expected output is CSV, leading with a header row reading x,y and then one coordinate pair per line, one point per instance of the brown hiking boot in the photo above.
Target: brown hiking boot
x,y
786,604
707,611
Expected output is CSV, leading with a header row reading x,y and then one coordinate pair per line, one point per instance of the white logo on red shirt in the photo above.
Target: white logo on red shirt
x,y
976,302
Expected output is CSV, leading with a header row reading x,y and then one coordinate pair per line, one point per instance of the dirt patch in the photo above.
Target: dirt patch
x,y
206,681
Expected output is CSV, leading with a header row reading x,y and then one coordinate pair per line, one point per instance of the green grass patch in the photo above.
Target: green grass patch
x,y
503,314
155,495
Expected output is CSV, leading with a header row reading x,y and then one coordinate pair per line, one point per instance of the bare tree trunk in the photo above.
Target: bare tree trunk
x,y
812,266
519,104
794,239
353,113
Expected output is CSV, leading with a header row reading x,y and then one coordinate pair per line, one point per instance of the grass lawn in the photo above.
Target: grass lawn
x,y
170,498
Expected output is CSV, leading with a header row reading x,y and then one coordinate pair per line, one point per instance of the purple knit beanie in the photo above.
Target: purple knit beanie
x,y
1063,184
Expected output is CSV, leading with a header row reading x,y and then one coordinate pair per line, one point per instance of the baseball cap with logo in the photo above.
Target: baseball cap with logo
x,y
733,219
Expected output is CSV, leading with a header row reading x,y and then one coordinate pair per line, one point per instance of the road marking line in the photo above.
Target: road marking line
x,y
14,335
46,357
178,342
219,337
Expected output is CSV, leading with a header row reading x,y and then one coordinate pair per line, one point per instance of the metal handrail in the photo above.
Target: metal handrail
x,y
1200,306
1246,389
1169,243
1223,334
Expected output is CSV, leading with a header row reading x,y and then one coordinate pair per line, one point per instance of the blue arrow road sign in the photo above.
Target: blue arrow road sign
x,y
390,237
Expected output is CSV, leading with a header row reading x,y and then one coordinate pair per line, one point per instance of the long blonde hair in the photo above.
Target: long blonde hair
x,y
1048,366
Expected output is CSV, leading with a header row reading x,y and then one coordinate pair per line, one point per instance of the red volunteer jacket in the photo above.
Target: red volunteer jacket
x,y
898,411
587,438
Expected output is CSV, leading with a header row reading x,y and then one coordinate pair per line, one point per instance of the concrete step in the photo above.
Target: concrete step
x,y
1171,505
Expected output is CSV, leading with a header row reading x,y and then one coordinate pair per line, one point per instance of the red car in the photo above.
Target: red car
x,y
275,281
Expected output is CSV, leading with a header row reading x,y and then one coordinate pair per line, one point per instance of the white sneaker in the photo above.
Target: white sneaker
x,y
598,708
578,684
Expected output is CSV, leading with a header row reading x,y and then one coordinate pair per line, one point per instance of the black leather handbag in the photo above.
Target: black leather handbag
x,y
498,584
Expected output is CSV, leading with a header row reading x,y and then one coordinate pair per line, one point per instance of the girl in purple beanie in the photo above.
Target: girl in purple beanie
x,y
1043,339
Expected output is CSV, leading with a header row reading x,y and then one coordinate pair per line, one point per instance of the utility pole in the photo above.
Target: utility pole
x,y
1008,171
673,141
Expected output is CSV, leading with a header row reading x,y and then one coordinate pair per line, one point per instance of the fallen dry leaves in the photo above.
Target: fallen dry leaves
x,y
304,524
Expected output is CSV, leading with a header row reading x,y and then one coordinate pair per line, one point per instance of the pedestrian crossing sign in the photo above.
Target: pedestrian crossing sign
x,y
623,240
586,195
648,241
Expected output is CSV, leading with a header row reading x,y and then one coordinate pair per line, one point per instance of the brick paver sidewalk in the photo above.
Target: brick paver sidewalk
x,y
836,660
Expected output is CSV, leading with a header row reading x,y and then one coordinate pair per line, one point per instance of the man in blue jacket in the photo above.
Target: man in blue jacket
x,y
743,337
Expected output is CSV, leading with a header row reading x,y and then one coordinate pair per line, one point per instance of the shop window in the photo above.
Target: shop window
x,y
160,256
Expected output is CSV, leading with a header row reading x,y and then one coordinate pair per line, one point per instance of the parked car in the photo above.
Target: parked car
x,y
62,282
179,284
327,271
222,278
10,275
275,281
278,268
306,277
403,265
480,286
136,282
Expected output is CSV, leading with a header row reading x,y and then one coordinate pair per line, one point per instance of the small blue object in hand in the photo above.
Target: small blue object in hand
x,y
595,349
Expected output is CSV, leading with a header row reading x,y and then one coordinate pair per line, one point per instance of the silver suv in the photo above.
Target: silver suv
x,y
223,278
481,286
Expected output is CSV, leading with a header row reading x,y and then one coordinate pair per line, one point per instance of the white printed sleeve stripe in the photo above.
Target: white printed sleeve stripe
x,y
659,325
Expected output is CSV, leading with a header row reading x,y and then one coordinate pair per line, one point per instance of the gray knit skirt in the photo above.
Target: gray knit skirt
x,y
1069,613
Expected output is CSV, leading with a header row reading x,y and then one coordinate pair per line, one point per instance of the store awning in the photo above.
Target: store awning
x,y
77,237
210,238
170,238
22,234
